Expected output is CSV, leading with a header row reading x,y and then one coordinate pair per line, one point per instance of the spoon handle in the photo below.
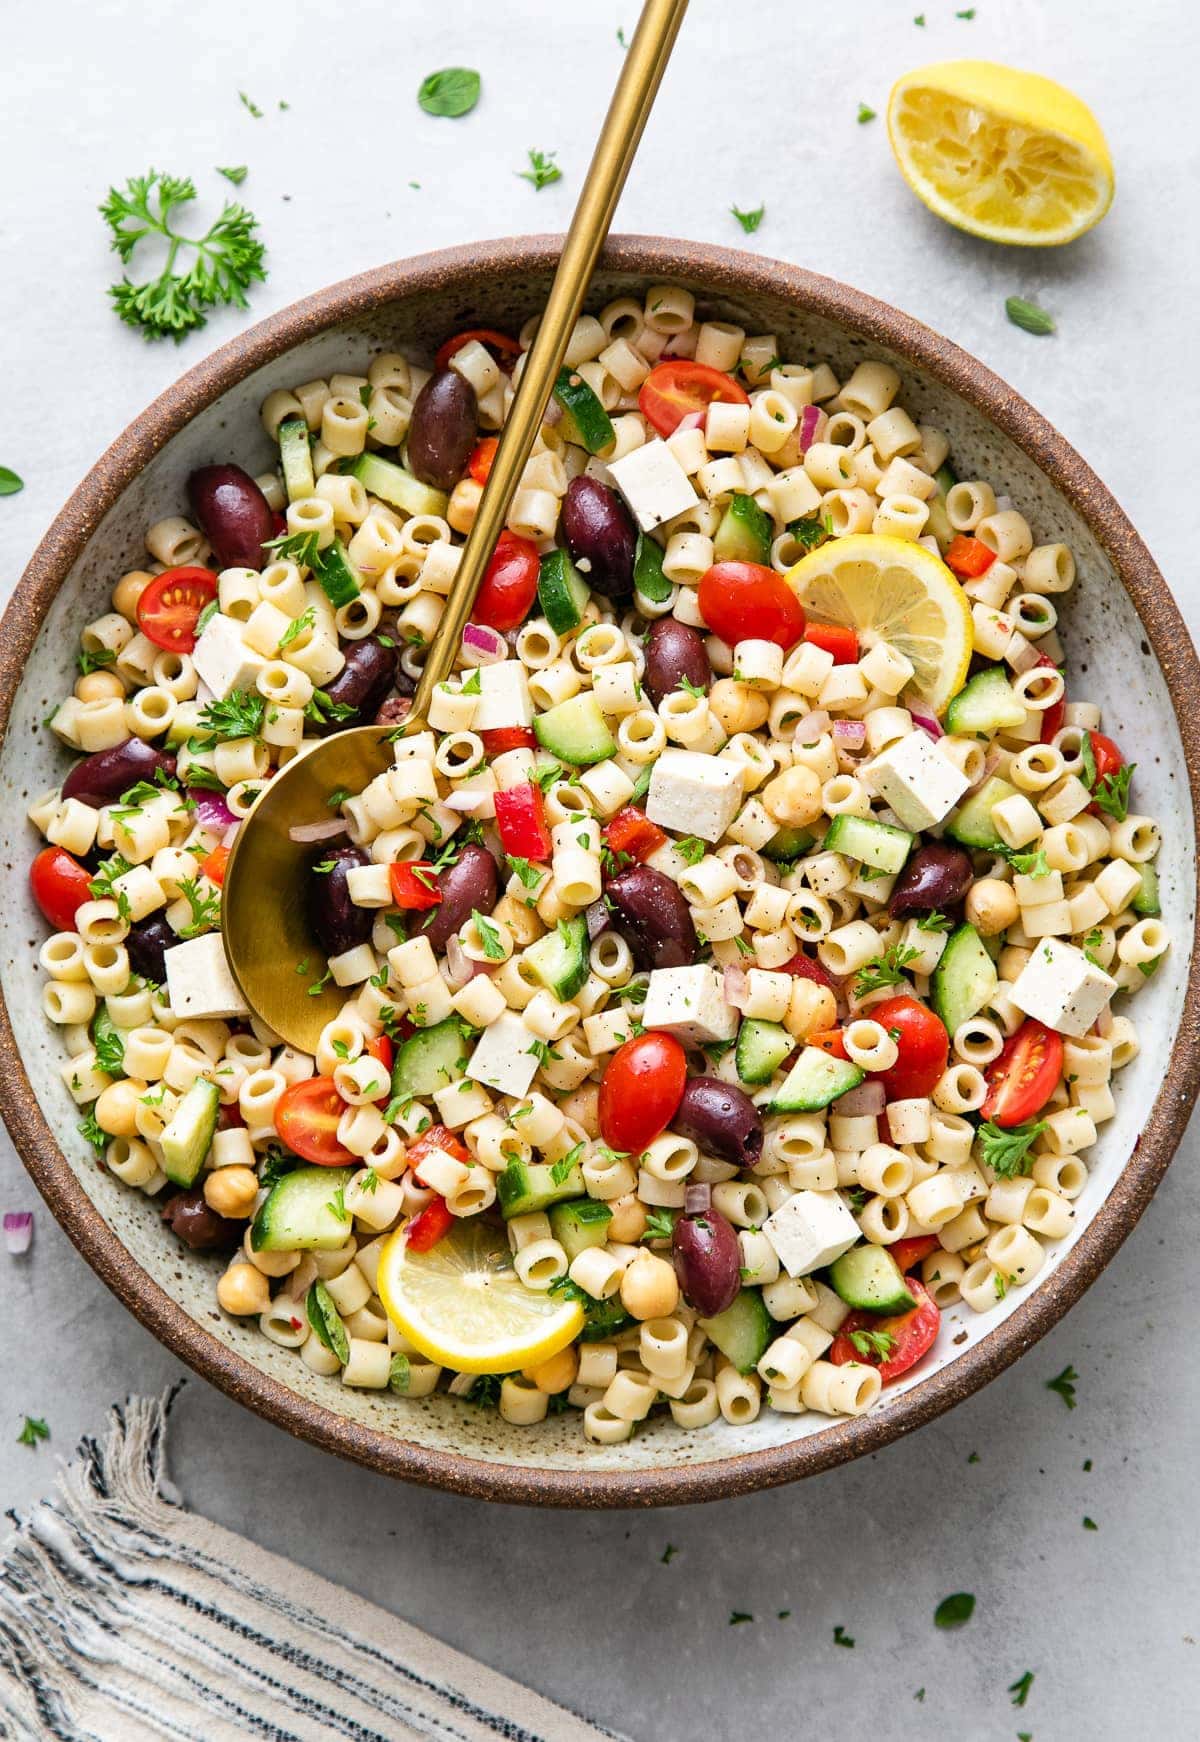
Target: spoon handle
x,y
645,62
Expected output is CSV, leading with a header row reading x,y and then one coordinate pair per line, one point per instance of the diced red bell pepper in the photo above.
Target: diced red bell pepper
x,y
1056,713
909,1253
415,885
480,463
808,968
835,639
214,866
437,1137
521,821
969,557
498,739
429,1226
828,1040
383,1052
631,832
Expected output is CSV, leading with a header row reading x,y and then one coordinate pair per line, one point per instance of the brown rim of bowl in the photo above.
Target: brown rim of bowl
x,y
721,270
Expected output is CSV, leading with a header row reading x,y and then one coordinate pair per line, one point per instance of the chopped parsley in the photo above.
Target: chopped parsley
x,y
98,1139
1027,315
841,1637
1089,1523
337,1205
884,970
749,220
1033,864
1006,1152
10,481
564,1167
692,848
955,1610
93,661
239,715
934,922
206,908
1020,1688
528,875
451,91
235,173
865,113
738,1616
489,937
34,1429
1064,1384
542,170
873,1343
660,1224
668,1554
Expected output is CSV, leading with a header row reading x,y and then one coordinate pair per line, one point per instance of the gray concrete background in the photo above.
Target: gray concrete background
x,y
992,1498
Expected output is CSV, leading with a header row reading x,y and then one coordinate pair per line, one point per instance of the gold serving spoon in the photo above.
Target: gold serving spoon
x,y
268,940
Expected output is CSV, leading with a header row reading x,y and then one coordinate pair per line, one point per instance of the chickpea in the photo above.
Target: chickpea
x,y
1010,963
583,1106
464,504
243,1291
649,1289
794,796
116,1109
99,686
231,1191
128,591
991,906
628,1219
521,921
738,707
558,1373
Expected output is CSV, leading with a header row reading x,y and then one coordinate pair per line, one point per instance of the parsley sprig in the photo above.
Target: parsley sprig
x,y
884,970
542,170
1007,1152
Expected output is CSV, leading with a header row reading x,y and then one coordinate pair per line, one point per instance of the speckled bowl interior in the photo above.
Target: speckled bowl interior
x,y
1128,651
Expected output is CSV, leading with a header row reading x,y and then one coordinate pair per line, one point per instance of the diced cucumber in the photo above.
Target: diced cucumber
x,y
964,978
393,485
761,1049
526,1186
429,1060
648,577
945,478
562,592
575,731
744,534
326,1321
337,576
788,843
872,843
584,419
188,1136
971,824
743,1331
938,523
869,1277
985,705
299,1213
1145,899
295,456
560,959
814,1081
579,1224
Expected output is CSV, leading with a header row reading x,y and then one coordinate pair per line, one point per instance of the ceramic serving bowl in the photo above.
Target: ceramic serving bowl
x,y
1125,638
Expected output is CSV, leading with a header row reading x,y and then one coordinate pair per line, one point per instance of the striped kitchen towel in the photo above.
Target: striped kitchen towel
x,y
126,1618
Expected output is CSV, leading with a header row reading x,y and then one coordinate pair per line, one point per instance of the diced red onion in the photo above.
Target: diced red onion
x,y
458,963
231,835
597,919
869,1098
697,1199
1104,1022
735,987
811,427
850,734
1022,656
927,723
483,646
470,800
304,834
812,727
211,810
18,1231
693,420
490,838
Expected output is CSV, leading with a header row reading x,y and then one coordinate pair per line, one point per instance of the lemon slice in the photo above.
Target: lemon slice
x,y
890,589
463,1305
1007,155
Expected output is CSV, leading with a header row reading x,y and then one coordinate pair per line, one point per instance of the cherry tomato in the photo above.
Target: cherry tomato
x,y
640,1090
828,1040
909,1253
969,557
306,1118
913,1334
383,1052
1053,717
480,463
924,1047
747,602
509,584
498,739
632,832
432,1224
675,389
808,968
835,639
1022,1078
1107,758
168,609
60,886
437,1137
503,349
214,866
414,885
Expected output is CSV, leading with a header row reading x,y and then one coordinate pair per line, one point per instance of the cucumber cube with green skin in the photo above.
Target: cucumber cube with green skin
x,y
964,979
788,843
744,534
526,1186
398,488
560,959
873,843
986,705
815,1080
743,1331
300,1213
295,457
579,1224
1146,900
575,731
971,824
586,420
562,592
188,1137
336,575
429,1060
761,1049
869,1277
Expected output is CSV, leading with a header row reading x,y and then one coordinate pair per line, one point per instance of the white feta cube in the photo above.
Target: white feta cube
x,y
199,983
920,784
1060,987
222,659
694,794
810,1230
504,1057
504,698
653,483
688,1003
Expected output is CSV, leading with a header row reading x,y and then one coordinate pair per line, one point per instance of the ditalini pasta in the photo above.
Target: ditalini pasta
x,y
728,962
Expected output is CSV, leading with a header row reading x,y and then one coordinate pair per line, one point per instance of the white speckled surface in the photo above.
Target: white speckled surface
x,y
1105,1619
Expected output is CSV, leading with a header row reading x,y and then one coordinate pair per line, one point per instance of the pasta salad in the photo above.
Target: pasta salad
x,y
727,960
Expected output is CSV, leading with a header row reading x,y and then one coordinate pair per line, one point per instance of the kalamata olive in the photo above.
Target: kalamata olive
x,y
443,429
336,922
935,878
649,908
198,1226
362,683
469,885
101,778
707,1261
720,1120
601,536
146,943
233,514
674,651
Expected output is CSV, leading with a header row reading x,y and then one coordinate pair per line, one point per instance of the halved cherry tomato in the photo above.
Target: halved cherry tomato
x,y
213,867
306,1118
924,1047
480,463
640,1090
909,1253
509,584
437,1137
835,639
380,1048
675,389
1107,758
969,557
632,832
521,822
503,348
808,968
828,1040
1053,717
168,609
913,1334
414,885
429,1226
60,886
1024,1075
747,602
498,739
